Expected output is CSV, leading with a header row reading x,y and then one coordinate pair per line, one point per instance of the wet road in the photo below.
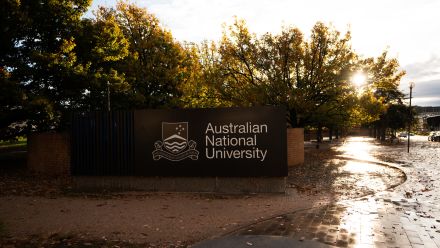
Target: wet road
x,y
396,213
346,171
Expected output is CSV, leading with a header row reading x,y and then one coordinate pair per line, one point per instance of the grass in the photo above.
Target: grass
x,y
18,143
13,154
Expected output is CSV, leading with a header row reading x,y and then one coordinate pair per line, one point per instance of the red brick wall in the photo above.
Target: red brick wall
x,y
295,146
49,153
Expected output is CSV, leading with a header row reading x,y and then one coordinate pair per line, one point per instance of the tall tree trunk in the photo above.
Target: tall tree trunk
x,y
383,133
292,118
375,135
318,136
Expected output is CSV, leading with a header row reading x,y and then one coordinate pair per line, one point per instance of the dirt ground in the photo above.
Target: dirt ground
x,y
44,212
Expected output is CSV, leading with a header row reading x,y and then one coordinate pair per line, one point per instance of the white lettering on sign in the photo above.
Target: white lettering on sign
x,y
241,128
221,142
228,141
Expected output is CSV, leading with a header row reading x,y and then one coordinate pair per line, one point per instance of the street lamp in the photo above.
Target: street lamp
x,y
108,96
411,86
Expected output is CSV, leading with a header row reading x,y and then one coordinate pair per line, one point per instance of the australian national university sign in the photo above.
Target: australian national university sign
x,y
211,142
232,142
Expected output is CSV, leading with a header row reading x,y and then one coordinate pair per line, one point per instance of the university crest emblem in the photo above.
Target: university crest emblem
x,y
175,145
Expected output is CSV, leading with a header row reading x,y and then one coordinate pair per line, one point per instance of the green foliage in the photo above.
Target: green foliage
x,y
52,62
326,90
110,43
398,116
385,76
240,82
12,105
156,64
311,78
102,47
13,142
381,103
37,62
201,70
368,109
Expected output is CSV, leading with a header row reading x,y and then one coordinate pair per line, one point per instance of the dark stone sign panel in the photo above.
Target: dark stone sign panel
x,y
223,142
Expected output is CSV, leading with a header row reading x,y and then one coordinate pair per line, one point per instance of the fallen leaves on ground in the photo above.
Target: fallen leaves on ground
x,y
66,240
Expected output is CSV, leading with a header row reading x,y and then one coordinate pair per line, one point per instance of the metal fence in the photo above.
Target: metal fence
x,y
103,143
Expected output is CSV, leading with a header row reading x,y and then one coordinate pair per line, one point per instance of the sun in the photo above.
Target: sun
x,y
359,79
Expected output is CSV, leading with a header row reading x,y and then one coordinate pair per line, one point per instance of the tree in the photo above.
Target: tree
x,y
385,76
155,65
55,63
12,112
240,82
325,83
368,109
281,60
202,65
52,62
38,61
382,91
102,46
398,116
310,78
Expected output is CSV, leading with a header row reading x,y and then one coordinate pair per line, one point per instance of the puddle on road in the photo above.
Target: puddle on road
x,y
379,220
346,171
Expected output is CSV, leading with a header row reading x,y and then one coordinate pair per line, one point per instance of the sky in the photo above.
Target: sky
x,y
409,29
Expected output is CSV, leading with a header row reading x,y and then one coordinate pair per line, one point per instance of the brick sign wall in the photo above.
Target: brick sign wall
x,y
211,142
49,153
219,142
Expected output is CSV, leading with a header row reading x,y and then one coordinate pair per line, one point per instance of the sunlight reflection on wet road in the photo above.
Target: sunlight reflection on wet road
x,y
358,147
363,170
354,218
384,219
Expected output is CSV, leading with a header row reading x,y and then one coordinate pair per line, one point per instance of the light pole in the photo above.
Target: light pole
x,y
411,86
108,96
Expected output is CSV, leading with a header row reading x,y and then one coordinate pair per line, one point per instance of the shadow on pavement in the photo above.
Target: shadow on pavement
x,y
349,174
260,242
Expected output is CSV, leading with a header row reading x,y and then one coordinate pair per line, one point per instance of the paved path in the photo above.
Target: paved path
x,y
404,216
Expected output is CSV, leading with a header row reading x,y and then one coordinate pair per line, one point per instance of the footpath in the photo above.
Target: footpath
x,y
356,194
406,215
